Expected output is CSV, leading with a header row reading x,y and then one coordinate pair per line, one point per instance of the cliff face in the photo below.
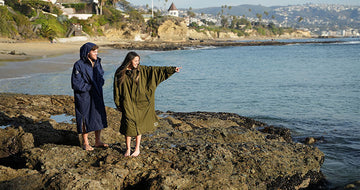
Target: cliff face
x,y
297,34
197,150
171,32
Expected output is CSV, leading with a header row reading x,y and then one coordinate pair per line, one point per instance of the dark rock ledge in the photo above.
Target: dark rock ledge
x,y
168,46
198,150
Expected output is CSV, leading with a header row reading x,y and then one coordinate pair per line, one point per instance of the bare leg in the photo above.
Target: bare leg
x,y
137,147
86,145
98,142
128,146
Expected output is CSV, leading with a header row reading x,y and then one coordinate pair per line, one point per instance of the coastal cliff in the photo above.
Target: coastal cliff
x,y
196,150
170,31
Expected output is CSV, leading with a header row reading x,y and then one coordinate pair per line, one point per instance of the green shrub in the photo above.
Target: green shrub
x,y
47,32
78,6
12,25
53,27
261,31
7,27
21,8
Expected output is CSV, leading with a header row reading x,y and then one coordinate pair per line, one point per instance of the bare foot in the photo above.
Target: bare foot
x,y
136,153
101,144
87,147
127,153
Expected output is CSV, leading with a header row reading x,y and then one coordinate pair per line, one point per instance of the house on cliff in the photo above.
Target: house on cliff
x,y
89,8
51,1
173,11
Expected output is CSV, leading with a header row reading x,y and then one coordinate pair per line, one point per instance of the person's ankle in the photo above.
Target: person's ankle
x,y
135,153
127,153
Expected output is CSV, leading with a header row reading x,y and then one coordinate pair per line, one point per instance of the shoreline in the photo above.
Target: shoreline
x,y
28,50
14,56
169,46
13,50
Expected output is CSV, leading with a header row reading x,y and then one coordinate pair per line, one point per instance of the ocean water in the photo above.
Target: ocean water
x,y
312,89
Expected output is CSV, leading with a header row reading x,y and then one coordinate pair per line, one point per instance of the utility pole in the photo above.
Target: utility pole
x,y
152,8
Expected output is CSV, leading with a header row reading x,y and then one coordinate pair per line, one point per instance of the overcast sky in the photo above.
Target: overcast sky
x,y
217,3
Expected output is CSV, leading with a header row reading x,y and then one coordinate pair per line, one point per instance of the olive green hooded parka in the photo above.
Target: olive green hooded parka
x,y
136,101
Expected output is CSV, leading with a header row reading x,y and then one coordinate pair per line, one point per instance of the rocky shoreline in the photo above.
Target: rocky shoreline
x,y
198,150
168,46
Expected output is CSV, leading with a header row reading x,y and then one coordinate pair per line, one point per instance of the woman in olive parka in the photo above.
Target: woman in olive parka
x,y
134,96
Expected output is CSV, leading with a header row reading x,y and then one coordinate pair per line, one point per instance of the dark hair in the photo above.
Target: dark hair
x,y
95,47
121,71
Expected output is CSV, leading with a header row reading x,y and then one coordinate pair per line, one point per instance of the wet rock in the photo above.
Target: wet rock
x,y
53,157
168,46
20,179
351,186
196,150
177,124
310,140
277,132
13,141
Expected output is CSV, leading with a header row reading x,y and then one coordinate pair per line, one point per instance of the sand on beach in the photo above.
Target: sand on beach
x,y
17,51
12,53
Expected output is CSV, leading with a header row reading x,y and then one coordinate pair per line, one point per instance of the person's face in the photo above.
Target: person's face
x,y
93,54
135,63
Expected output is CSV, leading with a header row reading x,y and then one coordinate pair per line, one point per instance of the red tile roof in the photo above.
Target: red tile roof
x,y
172,7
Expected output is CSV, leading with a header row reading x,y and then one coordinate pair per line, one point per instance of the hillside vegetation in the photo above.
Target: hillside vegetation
x,y
36,19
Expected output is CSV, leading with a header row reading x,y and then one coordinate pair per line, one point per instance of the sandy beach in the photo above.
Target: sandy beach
x,y
13,50
14,53
24,50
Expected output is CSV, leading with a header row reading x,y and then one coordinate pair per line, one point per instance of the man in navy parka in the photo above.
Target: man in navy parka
x,y
87,82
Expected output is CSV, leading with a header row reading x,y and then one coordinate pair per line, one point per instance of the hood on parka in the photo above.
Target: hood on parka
x,y
85,49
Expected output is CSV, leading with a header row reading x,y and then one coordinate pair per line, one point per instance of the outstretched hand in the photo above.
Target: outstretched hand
x,y
177,69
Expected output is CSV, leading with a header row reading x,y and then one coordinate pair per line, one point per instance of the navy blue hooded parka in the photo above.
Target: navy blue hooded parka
x,y
87,83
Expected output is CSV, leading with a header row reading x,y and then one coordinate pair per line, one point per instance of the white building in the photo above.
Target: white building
x,y
51,1
173,11
2,2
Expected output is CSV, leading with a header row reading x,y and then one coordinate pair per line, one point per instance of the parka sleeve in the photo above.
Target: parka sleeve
x,y
160,74
78,81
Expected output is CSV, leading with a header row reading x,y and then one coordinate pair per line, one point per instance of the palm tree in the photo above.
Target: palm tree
x,y
259,16
102,3
114,3
266,14
165,4
152,8
250,22
300,19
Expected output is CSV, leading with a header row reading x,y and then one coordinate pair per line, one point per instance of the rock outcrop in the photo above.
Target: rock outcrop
x,y
169,31
168,46
198,150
